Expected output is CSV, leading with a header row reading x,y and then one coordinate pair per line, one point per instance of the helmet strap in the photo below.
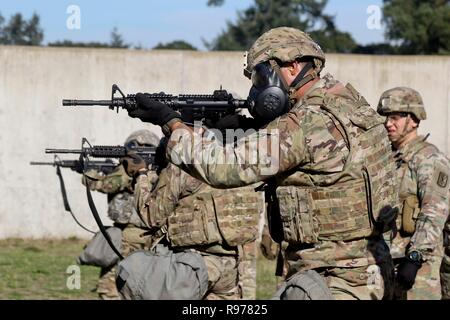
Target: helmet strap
x,y
405,131
276,67
300,80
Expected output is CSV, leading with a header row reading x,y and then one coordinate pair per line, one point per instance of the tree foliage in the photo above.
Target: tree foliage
x,y
418,26
306,15
19,31
215,2
176,45
116,41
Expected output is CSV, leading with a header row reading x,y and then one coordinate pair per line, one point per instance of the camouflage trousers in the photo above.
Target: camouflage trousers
x,y
358,283
354,278
427,285
131,241
223,277
106,284
445,275
247,270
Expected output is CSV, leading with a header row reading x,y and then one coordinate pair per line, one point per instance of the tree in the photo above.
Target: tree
x,y
117,39
175,45
115,42
21,32
69,43
418,26
306,15
215,2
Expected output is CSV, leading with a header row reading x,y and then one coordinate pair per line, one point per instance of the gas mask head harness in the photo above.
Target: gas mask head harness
x,y
270,96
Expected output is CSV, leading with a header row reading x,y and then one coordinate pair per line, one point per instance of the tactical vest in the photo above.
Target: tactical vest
x,y
216,216
348,205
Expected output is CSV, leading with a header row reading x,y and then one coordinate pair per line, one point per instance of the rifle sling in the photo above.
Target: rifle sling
x,y
99,221
66,200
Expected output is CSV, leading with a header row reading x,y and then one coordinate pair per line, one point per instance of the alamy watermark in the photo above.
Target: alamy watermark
x,y
73,21
259,149
374,20
73,281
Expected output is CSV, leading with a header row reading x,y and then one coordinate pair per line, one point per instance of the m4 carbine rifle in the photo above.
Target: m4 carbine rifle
x,y
146,153
107,166
192,107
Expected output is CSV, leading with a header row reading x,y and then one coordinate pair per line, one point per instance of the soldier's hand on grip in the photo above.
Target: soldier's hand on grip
x,y
152,111
79,167
133,163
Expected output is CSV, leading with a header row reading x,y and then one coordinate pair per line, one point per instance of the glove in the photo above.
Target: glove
x,y
152,111
79,167
268,247
133,163
406,273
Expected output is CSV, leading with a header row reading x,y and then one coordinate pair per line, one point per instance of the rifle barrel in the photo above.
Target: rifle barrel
x,y
37,163
71,102
76,151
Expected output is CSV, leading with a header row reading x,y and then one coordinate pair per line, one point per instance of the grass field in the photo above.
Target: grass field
x,y
41,269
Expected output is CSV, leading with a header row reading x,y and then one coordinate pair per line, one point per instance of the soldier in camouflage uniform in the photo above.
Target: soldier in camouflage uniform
x,y
118,185
424,191
180,208
327,157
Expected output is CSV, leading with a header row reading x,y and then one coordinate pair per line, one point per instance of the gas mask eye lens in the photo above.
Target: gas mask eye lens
x,y
132,144
261,75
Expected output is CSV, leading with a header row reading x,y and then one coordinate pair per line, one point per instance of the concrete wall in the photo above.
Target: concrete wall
x,y
33,81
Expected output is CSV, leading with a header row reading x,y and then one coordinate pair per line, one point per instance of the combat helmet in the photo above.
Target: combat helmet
x,y
143,137
285,45
402,99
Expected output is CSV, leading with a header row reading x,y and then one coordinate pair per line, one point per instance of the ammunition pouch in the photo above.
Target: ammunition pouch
x,y
410,213
334,213
229,217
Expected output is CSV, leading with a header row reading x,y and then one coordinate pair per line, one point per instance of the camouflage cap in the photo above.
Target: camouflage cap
x,y
284,44
143,137
402,99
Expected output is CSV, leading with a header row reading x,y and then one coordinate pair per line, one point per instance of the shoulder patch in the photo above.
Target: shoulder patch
x,y
442,180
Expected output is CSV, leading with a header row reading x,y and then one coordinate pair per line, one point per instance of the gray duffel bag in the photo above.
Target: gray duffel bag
x,y
304,285
162,274
98,252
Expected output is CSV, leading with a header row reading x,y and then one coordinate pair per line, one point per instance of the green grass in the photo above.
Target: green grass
x,y
37,269
265,278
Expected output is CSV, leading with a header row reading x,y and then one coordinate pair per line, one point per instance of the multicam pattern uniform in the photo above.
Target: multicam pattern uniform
x,y
118,186
423,173
176,195
307,140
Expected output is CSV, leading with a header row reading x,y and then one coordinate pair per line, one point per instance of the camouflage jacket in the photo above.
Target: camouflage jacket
x,y
305,139
157,201
173,189
423,172
119,188
116,181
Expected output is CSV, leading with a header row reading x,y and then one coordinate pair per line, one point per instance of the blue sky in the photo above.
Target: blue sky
x,y
148,22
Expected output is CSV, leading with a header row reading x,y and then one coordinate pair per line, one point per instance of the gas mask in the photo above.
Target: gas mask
x,y
268,98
